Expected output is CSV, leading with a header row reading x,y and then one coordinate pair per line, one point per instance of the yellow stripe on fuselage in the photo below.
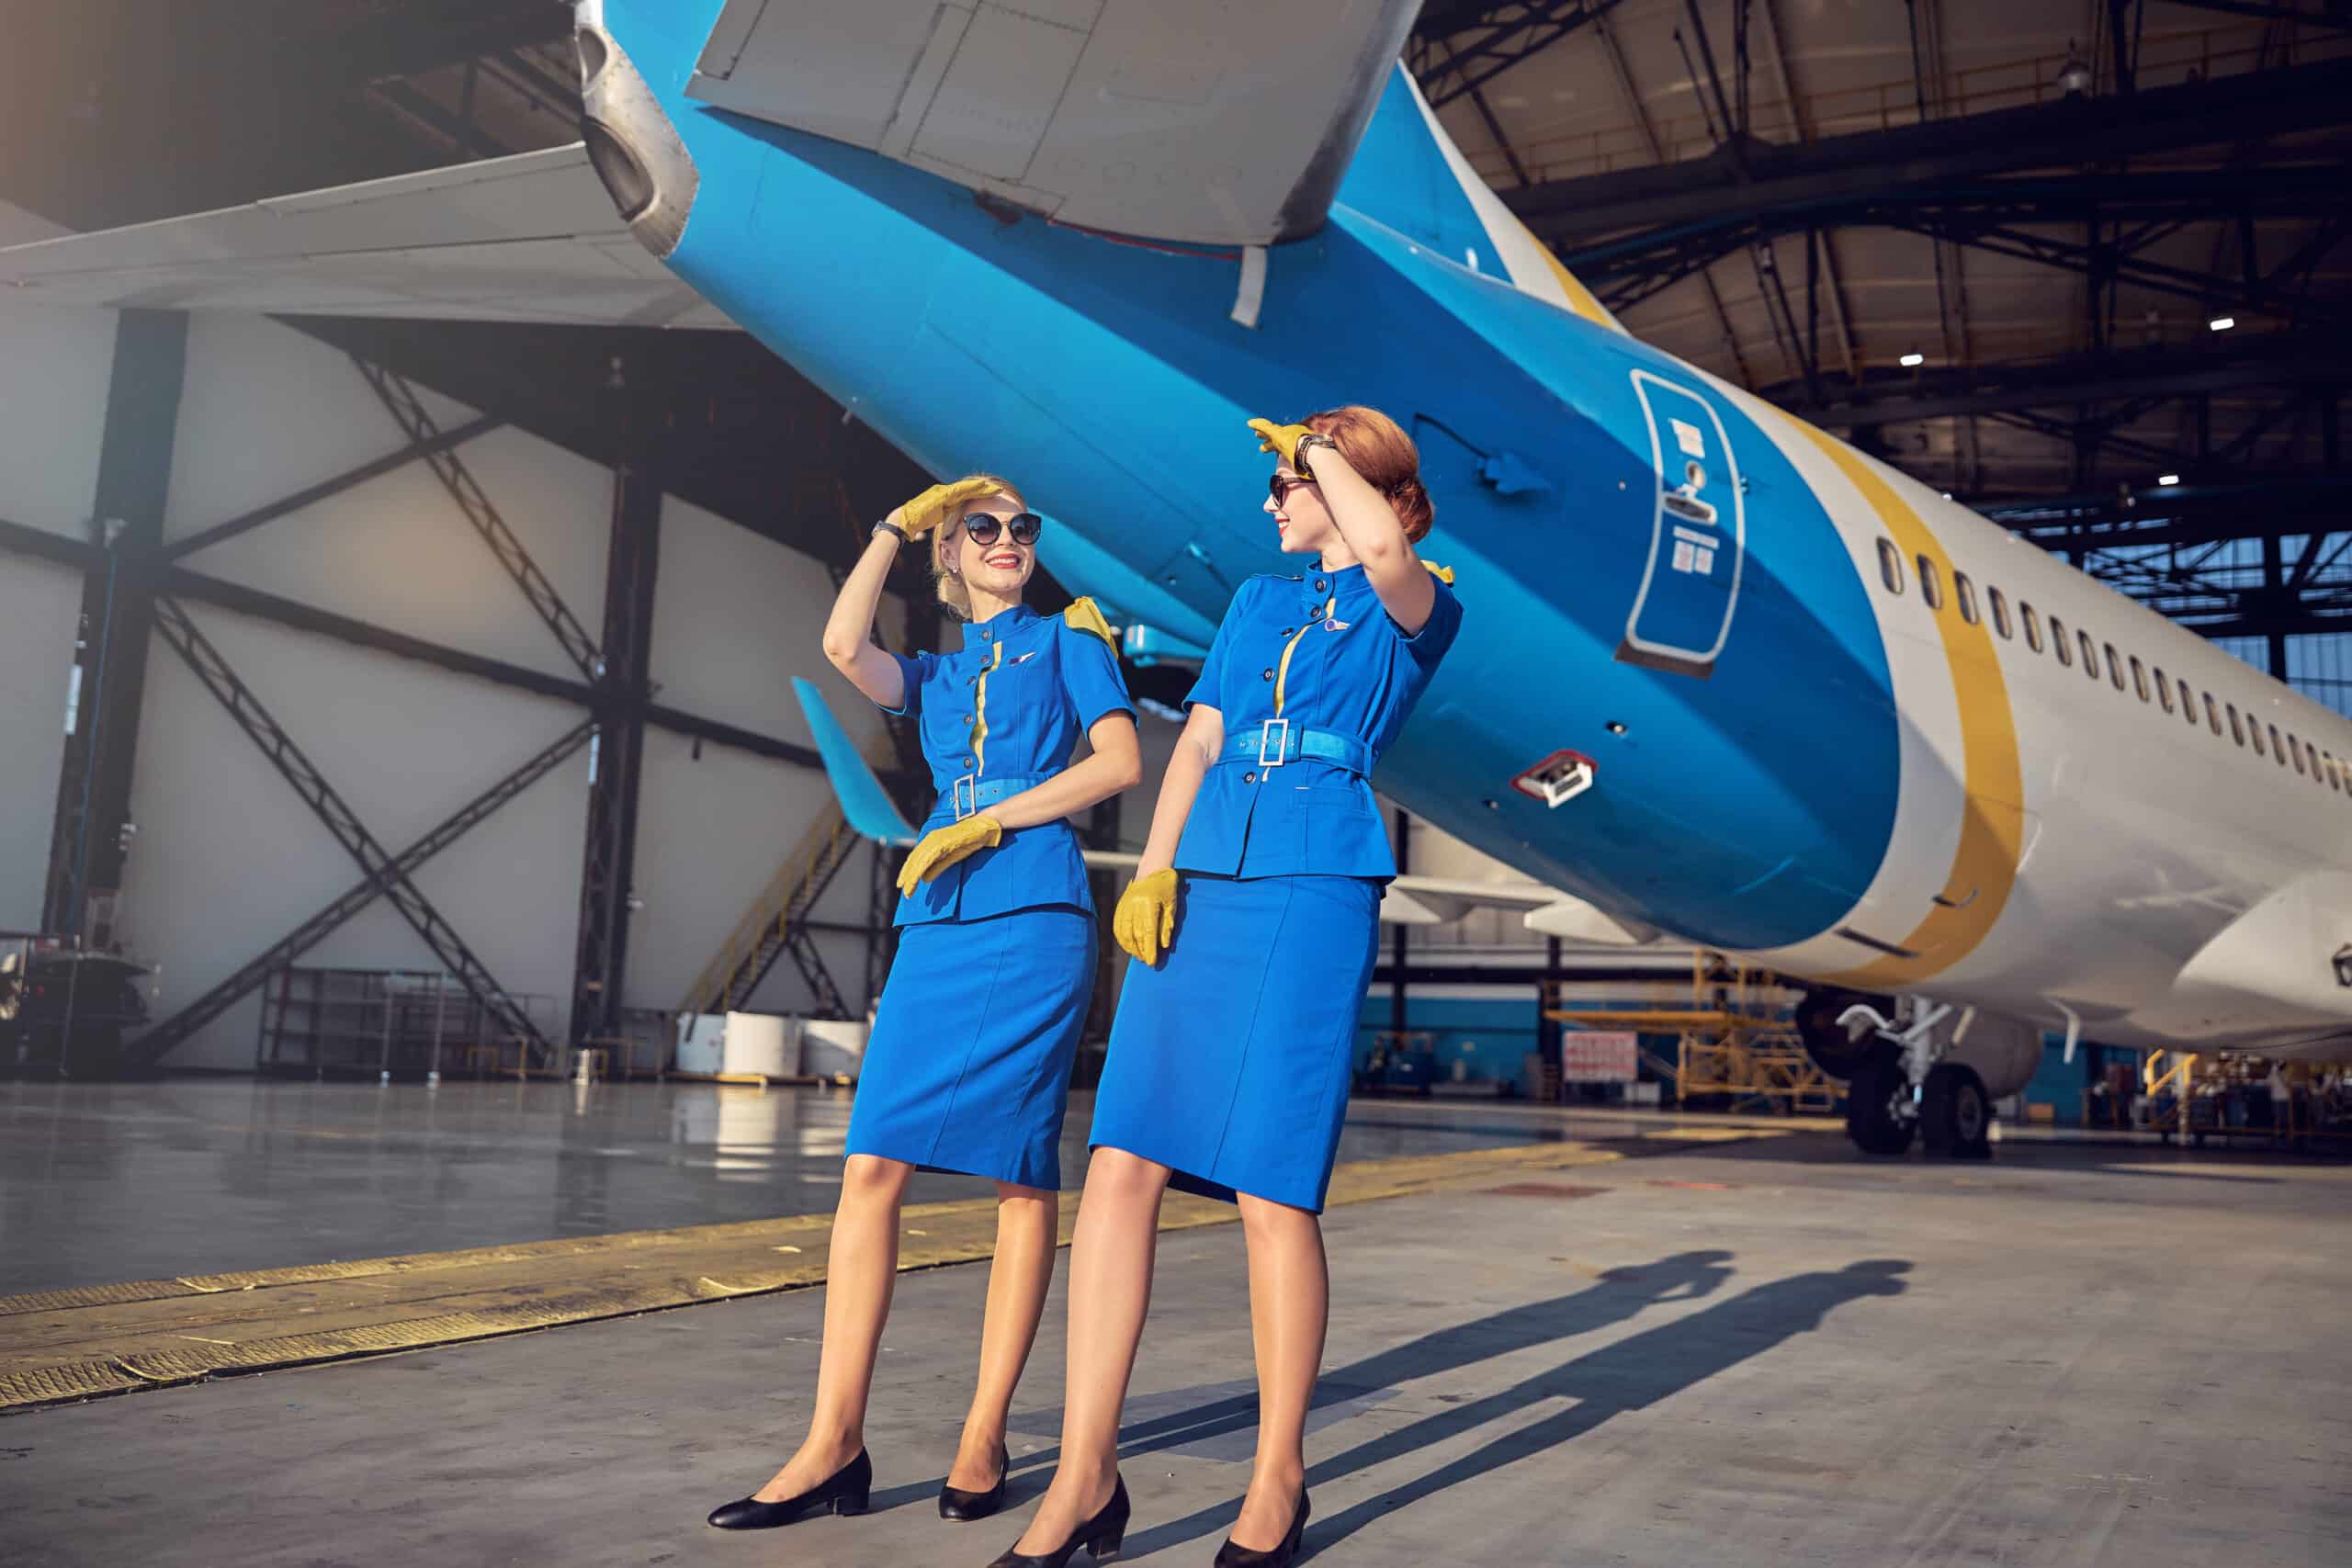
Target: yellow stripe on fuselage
x,y
1580,300
980,713
1992,826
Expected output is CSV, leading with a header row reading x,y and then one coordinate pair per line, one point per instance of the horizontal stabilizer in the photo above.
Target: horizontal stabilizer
x,y
1217,124
530,238
864,803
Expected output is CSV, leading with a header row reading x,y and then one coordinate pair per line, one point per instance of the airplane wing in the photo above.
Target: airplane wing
x,y
1214,124
530,238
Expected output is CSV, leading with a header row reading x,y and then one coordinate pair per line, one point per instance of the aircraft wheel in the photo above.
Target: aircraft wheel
x,y
1873,1097
1955,1113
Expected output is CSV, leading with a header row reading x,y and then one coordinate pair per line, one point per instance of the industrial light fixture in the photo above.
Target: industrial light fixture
x,y
2221,324
1913,359
2167,478
2073,76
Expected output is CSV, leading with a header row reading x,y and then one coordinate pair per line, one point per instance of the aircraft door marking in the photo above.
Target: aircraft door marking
x,y
1682,613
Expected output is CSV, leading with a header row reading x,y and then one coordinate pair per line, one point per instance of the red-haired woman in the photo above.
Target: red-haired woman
x,y
1252,923
968,1069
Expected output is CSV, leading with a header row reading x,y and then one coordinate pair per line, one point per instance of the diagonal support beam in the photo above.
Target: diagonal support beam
x,y
152,1046
350,478
400,399
172,624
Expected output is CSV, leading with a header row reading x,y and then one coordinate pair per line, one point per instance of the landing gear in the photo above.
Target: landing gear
x,y
1878,1115
1955,1113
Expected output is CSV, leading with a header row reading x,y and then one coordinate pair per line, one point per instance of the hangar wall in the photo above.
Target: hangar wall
x,y
227,858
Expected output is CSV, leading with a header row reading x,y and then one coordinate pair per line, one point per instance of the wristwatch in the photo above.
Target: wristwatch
x,y
1298,452
887,526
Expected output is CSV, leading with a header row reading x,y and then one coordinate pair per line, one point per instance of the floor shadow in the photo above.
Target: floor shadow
x,y
1618,1295
1628,1375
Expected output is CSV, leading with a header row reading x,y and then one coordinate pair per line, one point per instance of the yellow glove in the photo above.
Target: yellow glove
x,y
942,503
1145,922
1280,439
942,847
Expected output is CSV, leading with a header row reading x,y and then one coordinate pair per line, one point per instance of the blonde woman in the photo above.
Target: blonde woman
x,y
969,1063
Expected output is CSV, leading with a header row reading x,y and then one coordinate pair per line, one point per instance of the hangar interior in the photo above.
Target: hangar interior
x,y
432,677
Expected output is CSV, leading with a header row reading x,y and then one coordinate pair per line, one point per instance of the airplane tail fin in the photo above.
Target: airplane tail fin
x,y
1408,175
864,803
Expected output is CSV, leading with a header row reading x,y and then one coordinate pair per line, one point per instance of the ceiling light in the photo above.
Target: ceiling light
x,y
2167,478
1915,357
2221,324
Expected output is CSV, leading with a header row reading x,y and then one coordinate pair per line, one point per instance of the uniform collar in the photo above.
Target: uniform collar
x,y
1319,583
997,628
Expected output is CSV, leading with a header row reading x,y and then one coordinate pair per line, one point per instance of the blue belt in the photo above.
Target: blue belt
x,y
1278,740
968,795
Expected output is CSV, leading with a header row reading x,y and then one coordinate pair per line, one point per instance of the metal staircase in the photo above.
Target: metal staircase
x,y
776,924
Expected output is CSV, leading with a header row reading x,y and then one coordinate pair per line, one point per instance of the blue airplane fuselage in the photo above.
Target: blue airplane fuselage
x,y
1746,786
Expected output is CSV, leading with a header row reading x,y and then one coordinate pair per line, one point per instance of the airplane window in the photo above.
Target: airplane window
x,y
2255,725
2189,706
2000,610
2032,626
2295,747
2115,669
2139,676
2276,749
2058,642
2164,687
1965,591
2214,713
2090,655
1890,566
2237,730
1931,585
2334,771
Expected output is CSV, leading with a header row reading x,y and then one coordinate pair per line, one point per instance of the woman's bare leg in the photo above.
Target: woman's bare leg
x,y
1290,1300
861,1266
1109,1291
1026,1221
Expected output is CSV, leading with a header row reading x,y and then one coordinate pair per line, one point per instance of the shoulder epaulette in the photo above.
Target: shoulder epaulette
x,y
1082,615
1443,573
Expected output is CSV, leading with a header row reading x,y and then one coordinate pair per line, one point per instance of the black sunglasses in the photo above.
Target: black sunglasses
x,y
984,527
1279,486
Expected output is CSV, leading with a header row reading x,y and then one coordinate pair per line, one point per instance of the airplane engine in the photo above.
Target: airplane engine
x,y
1838,1048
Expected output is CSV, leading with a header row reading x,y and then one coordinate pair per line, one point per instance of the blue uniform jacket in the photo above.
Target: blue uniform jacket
x,y
1010,704
1319,652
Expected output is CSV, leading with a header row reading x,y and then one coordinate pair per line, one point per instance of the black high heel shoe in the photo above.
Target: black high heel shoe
x,y
1232,1556
964,1507
1100,1535
844,1492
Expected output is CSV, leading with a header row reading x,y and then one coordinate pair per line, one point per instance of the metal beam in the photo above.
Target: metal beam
x,y
1723,190
608,859
302,775
91,829
152,1046
186,585
2206,363
401,400
63,549
456,436
1482,46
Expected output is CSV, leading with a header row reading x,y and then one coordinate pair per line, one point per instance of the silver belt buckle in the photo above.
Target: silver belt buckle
x,y
967,789
1279,738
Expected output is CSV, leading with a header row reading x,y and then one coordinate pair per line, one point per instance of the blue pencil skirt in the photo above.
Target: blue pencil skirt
x,y
1230,1063
968,1067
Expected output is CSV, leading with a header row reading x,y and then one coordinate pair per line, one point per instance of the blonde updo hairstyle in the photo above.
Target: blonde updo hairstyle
x,y
952,590
1377,448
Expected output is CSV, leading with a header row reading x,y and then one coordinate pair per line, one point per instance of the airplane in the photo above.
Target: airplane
x,y
1722,674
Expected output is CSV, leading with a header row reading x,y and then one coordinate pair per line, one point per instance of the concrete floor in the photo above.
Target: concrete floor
x,y
1761,1353
101,1182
